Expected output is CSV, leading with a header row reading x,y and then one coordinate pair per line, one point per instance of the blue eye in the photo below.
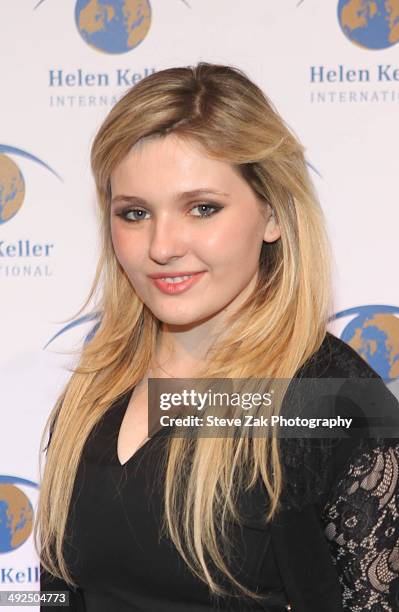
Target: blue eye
x,y
124,214
205,205
210,210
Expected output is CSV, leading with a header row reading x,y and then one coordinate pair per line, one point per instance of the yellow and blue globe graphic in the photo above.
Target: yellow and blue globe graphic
x,y
374,334
113,26
16,517
12,188
371,24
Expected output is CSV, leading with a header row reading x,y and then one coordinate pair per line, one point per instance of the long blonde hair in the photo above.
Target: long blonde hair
x,y
279,327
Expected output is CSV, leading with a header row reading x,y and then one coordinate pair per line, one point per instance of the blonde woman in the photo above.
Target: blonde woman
x,y
199,177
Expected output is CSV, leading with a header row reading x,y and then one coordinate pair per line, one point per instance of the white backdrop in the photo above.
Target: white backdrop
x,y
332,70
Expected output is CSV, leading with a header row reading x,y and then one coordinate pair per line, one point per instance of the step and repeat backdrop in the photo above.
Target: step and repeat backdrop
x,y
332,70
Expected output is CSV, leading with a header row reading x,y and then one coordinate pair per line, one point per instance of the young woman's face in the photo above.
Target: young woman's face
x,y
175,211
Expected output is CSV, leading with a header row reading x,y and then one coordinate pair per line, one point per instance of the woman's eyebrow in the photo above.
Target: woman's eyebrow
x,y
198,192
126,198
180,196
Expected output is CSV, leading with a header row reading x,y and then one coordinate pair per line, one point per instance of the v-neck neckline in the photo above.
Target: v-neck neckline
x,y
123,406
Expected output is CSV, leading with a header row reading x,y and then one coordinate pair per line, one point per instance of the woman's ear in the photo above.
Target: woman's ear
x,y
272,229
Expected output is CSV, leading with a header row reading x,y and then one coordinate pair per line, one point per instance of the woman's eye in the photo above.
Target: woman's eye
x,y
134,215
201,208
131,211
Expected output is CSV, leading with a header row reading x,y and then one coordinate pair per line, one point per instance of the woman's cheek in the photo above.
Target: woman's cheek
x,y
121,243
215,240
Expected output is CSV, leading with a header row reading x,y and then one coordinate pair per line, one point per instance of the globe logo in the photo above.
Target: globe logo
x,y
16,513
113,26
12,184
371,24
12,188
374,334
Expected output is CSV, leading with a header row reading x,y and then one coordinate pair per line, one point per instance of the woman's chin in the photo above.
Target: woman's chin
x,y
182,320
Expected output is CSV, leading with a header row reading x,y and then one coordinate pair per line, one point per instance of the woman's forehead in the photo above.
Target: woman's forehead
x,y
167,143
169,158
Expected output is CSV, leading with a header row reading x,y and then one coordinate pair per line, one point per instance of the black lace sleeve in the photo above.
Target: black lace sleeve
x,y
361,521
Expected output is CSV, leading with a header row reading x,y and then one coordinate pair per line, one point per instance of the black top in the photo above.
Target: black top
x,y
337,546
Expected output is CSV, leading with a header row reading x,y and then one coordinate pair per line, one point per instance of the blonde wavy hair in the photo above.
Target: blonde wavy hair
x,y
272,335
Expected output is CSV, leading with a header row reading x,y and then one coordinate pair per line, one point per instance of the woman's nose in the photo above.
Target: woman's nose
x,y
169,238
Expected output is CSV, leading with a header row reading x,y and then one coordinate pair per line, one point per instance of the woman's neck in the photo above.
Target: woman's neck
x,y
181,353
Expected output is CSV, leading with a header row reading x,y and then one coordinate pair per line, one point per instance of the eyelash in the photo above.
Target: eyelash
x,y
123,213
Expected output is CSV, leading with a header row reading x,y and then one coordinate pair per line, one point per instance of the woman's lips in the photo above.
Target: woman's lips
x,y
175,288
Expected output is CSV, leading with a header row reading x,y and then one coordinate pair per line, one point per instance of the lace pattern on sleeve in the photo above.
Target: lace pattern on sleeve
x,y
361,521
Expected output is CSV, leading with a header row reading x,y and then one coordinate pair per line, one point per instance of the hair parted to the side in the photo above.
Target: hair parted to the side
x,y
281,325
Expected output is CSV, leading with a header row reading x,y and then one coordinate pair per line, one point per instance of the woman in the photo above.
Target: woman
x,y
197,175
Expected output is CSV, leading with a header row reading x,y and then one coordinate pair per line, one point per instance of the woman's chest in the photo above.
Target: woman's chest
x,y
116,534
133,431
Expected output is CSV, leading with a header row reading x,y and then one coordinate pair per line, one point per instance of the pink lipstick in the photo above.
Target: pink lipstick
x,y
166,285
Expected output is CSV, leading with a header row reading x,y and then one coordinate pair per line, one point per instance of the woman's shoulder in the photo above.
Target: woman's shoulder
x,y
359,391
349,388
336,359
